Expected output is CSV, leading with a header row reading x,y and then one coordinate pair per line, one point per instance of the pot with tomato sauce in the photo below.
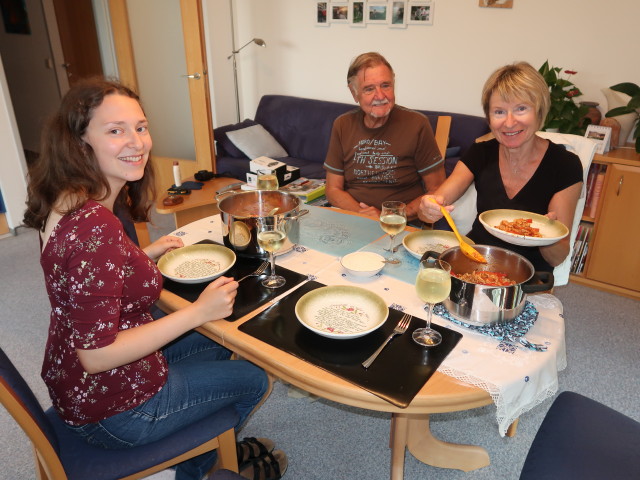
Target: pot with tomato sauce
x,y
495,292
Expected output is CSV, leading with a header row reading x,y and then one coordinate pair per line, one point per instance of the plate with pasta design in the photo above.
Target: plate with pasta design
x,y
196,263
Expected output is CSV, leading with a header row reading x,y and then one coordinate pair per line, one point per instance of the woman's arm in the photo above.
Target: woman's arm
x,y
450,191
215,302
562,207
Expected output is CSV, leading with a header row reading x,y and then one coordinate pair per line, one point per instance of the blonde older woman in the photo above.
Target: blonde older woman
x,y
516,169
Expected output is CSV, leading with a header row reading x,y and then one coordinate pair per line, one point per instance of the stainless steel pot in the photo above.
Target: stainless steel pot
x,y
242,211
486,305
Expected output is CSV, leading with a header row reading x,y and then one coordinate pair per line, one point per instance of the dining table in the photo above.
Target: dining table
x,y
475,369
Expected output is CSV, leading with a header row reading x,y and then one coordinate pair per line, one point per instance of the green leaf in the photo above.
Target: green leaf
x,y
614,112
629,88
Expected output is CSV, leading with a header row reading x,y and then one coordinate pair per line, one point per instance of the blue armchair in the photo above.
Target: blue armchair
x,y
583,439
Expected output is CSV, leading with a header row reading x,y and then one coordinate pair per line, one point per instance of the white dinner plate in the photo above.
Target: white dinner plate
x,y
196,263
419,242
551,230
341,312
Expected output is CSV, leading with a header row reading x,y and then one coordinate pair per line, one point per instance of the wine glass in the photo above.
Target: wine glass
x,y
267,182
271,237
393,219
433,285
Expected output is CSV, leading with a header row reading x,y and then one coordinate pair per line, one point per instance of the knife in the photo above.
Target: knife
x,y
274,300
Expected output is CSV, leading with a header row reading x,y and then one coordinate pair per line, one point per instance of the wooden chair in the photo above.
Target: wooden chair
x,y
60,454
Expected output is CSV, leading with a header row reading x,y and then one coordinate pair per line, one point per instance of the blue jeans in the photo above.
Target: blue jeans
x,y
201,381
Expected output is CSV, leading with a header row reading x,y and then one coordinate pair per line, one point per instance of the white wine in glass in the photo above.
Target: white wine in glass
x,y
393,219
267,182
271,238
433,285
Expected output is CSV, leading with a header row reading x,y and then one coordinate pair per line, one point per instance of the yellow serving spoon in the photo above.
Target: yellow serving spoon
x,y
467,249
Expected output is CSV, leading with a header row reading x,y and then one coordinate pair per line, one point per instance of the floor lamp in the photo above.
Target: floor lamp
x,y
260,43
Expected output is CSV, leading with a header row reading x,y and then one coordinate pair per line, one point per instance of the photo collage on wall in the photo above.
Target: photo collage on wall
x,y
393,13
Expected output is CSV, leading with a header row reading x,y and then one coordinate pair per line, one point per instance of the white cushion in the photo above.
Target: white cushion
x,y
256,142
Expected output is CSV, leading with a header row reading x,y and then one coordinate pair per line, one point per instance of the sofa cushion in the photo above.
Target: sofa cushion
x,y
255,141
224,146
302,125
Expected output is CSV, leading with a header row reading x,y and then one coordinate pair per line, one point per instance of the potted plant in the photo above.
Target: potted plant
x,y
633,106
565,115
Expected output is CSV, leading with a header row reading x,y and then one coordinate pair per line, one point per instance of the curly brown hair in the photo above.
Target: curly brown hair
x,y
68,165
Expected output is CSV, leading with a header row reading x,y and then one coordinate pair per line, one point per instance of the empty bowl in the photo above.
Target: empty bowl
x,y
362,264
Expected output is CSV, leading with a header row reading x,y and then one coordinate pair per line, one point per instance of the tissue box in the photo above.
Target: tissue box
x,y
265,165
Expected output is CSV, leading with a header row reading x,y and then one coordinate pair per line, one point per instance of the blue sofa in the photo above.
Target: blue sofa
x,y
302,126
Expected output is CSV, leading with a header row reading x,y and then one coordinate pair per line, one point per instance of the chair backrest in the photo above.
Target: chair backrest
x,y
585,148
23,406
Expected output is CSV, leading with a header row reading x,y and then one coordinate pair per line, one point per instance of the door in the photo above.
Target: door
x,y
78,38
615,258
184,79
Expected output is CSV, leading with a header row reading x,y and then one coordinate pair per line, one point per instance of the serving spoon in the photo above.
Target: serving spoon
x,y
467,249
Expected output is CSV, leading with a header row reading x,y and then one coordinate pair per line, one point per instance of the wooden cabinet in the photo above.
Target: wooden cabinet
x,y
613,259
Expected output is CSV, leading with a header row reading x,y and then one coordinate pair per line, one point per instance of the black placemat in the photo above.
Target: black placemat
x,y
396,376
251,294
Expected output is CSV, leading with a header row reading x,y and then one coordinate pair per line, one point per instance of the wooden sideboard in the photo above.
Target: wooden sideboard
x,y
613,258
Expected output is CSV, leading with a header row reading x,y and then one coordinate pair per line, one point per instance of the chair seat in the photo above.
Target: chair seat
x,y
583,439
83,461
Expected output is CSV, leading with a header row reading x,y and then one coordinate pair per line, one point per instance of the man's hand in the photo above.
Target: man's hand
x,y
369,211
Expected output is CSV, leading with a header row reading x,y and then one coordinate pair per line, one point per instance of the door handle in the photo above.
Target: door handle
x,y
195,76
620,185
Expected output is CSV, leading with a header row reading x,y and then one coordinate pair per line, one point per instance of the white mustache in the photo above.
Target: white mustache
x,y
377,103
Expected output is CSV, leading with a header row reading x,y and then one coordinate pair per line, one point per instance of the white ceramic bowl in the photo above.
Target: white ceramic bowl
x,y
196,263
362,264
341,311
551,230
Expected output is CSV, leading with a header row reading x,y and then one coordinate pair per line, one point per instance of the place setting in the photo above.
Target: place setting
x,y
188,270
338,327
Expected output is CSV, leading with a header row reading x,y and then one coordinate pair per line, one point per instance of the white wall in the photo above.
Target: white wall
x,y
439,67
13,168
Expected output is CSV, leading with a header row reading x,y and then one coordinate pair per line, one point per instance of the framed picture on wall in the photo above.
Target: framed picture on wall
x,y
421,12
496,3
356,13
377,12
322,14
339,12
398,9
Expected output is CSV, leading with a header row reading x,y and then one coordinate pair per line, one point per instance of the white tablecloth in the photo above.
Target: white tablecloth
x,y
517,378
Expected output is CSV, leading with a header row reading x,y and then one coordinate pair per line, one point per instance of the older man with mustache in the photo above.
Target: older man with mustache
x,y
380,151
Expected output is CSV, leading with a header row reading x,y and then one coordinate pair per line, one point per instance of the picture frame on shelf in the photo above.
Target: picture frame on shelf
x,y
377,12
421,12
339,12
602,135
322,14
357,13
398,12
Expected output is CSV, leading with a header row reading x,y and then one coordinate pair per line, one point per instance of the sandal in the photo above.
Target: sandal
x,y
251,448
272,466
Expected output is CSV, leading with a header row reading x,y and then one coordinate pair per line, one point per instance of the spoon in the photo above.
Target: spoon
x,y
467,249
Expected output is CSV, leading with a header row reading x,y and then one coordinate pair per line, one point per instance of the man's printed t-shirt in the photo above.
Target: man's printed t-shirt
x,y
384,163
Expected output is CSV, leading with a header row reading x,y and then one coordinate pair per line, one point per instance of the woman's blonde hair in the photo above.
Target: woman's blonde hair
x,y
518,81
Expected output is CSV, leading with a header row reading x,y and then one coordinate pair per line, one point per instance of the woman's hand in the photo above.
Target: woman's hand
x,y
216,301
429,212
161,246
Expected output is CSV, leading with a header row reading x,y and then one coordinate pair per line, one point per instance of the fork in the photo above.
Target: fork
x,y
258,271
402,326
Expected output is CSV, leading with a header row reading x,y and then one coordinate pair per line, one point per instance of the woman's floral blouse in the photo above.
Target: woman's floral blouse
x,y
98,283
